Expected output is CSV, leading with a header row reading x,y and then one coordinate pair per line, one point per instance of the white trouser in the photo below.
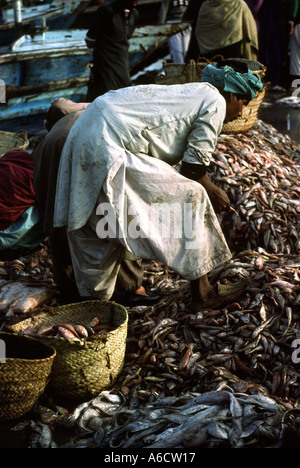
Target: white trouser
x,y
153,212
178,45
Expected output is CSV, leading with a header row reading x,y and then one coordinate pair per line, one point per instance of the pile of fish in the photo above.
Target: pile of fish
x,y
221,376
17,297
210,420
246,347
259,170
26,283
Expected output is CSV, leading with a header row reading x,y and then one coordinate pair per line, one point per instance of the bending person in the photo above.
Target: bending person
x,y
119,195
60,118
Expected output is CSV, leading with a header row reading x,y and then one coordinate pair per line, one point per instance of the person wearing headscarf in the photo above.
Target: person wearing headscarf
x,y
273,37
243,84
119,193
227,28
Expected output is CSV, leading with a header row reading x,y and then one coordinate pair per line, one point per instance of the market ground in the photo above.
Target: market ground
x,y
285,119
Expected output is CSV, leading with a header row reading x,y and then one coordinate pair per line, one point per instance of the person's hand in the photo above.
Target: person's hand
x,y
291,25
218,197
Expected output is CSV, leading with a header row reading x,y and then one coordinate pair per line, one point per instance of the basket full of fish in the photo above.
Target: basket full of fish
x,y
90,340
25,367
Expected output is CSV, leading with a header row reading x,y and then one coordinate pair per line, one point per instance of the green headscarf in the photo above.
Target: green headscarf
x,y
227,79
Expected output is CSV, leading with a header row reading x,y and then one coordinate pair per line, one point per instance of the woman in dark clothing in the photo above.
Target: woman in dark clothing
x,y
191,14
273,40
108,37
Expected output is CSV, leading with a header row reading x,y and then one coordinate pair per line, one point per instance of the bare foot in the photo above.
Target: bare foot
x,y
141,291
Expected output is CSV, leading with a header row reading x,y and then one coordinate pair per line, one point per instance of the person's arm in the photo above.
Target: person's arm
x,y
201,145
198,172
219,199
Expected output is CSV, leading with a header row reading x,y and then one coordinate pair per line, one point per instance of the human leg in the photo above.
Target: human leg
x,y
62,266
178,45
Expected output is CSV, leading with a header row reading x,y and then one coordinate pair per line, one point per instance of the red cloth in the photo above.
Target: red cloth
x,y
16,186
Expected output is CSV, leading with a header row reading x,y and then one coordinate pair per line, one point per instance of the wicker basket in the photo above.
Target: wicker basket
x,y
249,115
177,73
180,73
82,370
23,374
10,141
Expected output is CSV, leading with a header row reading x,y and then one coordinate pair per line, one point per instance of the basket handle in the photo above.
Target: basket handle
x,y
23,133
213,59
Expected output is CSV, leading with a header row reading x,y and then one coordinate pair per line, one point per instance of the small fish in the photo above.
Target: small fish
x,y
81,330
65,333
69,327
44,330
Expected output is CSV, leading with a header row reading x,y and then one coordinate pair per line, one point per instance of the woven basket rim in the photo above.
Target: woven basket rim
x,y
85,367
32,339
22,144
241,123
59,339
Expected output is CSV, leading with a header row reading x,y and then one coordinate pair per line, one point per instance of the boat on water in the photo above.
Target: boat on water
x,y
16,20
37,69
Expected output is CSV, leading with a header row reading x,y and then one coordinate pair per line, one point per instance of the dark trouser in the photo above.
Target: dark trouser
x,y
130,276
105,79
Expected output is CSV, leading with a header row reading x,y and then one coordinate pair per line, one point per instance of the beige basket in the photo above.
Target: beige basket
x,y
23,375
180,73
249,115
10,141
177,73
83,370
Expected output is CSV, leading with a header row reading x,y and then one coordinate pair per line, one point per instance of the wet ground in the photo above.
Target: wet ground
x,y
285,118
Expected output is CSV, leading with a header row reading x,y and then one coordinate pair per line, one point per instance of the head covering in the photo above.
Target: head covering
x,y
227,79
222,23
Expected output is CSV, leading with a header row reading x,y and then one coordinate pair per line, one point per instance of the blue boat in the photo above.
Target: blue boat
x,y
34,70
55,15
